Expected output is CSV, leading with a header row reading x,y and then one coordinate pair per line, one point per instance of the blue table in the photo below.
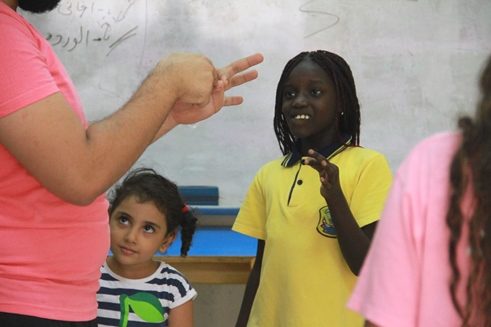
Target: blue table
x,y
216,241
218,255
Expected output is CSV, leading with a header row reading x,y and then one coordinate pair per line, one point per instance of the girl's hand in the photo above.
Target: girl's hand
x,y
328,173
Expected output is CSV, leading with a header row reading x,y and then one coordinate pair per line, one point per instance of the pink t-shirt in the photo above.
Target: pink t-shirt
x,y
405,278
50,251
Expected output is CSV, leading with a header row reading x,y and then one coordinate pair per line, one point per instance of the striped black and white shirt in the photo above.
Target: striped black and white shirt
x,y
142,302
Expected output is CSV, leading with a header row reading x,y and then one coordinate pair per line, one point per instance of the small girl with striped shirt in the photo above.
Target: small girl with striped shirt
x,y
145,211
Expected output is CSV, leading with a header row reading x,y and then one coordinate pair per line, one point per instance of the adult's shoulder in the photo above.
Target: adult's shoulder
x,y
11,21
427,164
443,141
437,149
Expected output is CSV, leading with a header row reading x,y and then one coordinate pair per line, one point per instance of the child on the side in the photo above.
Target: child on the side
x,y
430,261
145,211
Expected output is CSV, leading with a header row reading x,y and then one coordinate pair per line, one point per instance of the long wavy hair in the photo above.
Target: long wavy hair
x,y
470,171
340,73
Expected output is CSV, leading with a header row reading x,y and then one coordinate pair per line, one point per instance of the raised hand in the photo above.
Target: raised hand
x,y
227,77
328,173
190,77
231,75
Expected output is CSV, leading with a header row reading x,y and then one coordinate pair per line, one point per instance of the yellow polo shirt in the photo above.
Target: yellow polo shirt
x,y
305,281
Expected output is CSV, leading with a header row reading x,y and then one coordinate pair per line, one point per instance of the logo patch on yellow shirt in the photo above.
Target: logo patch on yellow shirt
x,y
325,225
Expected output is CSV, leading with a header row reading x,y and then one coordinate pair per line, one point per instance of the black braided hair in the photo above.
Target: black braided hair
x,y
340,73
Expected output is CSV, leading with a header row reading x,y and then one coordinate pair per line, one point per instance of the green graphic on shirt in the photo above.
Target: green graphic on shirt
x,y
144,305
325,225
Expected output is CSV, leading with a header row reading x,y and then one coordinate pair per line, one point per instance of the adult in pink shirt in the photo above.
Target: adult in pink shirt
x,y
56,167
436,227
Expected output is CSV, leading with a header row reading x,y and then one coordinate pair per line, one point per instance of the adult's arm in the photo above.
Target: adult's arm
x,y
251,287
78,164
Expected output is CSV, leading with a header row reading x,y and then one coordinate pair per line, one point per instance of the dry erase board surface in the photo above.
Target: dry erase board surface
x,y
415,64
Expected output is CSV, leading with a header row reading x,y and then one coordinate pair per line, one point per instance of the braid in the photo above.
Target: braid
x,y
344,84
340,73
471,168
188,227
282,131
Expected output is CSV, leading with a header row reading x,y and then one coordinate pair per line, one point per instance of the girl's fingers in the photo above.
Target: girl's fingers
x,y
319,157
312,162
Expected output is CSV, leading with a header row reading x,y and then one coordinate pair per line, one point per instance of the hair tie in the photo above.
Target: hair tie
x,y
185,209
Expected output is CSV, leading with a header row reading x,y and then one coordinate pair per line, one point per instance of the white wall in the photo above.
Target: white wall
x,y
415,65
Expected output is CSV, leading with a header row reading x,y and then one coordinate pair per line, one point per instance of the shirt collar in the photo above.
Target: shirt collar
x,y
329,151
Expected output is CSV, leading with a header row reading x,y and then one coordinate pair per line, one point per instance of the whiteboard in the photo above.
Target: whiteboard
x,y
415,65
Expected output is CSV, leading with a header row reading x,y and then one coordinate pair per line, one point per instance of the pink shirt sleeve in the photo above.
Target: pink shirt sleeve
x,y
24,74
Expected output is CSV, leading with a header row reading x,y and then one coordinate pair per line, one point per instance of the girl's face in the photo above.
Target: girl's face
x,y
138,231
309,105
